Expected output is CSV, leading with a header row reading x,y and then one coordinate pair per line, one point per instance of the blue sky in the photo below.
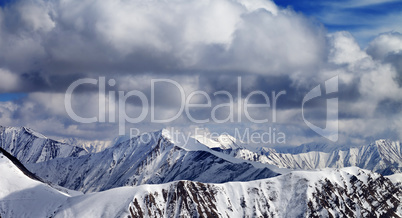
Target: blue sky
x,y
12,96
5,2
364,19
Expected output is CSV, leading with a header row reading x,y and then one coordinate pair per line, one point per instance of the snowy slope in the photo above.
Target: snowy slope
x,y
32,147
396,179
143,160
224,141
21,196
383,156
349,192
110,203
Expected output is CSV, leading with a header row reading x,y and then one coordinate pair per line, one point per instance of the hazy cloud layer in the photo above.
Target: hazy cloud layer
x,y
202,45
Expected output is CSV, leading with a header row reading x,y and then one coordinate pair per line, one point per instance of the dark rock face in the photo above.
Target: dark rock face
x,y
194,199
377,198
339,195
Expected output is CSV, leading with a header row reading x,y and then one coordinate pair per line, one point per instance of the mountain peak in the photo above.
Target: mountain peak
x,y
385,141
223,141
31,147
166,134
22,129
34,133
227,141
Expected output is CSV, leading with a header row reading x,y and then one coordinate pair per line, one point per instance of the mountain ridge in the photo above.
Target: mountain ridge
x,y
137,161
382,156
28,146
327,192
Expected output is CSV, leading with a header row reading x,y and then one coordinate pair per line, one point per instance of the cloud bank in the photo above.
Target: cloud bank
x,y
203,45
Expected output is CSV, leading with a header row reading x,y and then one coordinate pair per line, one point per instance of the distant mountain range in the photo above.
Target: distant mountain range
x,y
202,178
381,156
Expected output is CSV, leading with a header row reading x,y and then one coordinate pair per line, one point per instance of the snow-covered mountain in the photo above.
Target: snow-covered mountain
x,y
29,146
196,178
159,160
349,192
151,158
396,179
25,197
312,146
382,156
224,141
22,196
95,146
88,145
